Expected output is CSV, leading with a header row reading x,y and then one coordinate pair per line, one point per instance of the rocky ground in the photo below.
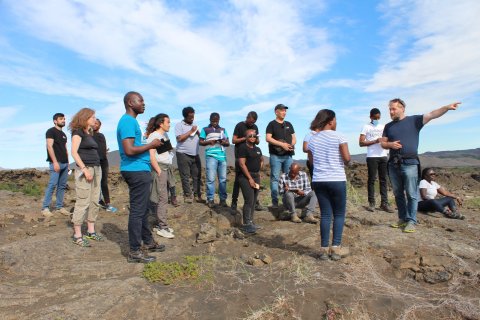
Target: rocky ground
x,y
431,274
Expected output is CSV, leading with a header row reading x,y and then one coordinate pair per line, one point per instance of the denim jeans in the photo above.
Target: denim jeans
x,y
374,165
437,205
57,180
139,183
277,164
189,166
332,198
307,202
404,179
216,168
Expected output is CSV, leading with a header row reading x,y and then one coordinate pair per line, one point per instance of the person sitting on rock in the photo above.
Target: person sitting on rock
x,y
297,193
428,192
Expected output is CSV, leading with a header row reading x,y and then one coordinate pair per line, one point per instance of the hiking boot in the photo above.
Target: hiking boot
x,y
409,227
63,211
223,203
198,199
310,219
46,213
233,206
154,247
385,207
399,224
274,205
249,229
295,218
324,253
371,207
339,252
259,207
165,233
210,203
188,199
139,257
174,202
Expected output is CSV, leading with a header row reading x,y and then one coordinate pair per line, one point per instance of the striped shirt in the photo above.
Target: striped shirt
x,y
216,151
327,160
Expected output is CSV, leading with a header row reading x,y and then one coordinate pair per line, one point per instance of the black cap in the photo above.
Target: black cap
x,y
280,106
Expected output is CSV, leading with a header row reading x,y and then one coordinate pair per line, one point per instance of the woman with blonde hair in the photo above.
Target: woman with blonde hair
x,y
88,175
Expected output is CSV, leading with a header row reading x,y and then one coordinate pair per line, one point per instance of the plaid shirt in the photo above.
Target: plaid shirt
x,y
300,182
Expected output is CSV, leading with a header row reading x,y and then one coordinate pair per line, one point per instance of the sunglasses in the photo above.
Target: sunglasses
x,y
252,136
432,174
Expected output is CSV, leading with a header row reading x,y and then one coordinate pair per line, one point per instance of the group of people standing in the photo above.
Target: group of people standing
x,y
146,166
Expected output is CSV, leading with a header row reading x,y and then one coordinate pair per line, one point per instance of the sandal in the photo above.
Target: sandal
x,y
81,242
455,215
94,236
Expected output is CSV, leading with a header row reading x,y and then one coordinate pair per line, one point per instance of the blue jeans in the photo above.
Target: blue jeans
x,y
139,183
332,198
57,180
404,179
277,163
216,167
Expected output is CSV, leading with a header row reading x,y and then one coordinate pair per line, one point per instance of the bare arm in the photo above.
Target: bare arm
x,y
242,163
423,193
446,193
439,112
390,144
294,139
310,156
153,161
131,150
76,140
363,142
187,134
237,140
285,145
51,153
345,153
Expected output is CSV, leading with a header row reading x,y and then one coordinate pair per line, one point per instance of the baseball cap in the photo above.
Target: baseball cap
x,y
280,106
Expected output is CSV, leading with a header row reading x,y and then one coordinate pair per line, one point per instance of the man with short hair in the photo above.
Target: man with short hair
x,y
297,193
57,156
188,160
135,169
238,139
281,145
102,154
215,139
370,137
401,136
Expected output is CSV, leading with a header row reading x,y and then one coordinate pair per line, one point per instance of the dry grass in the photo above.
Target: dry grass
x,y
282,308
301,269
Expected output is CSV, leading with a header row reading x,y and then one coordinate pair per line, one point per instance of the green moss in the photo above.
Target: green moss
x,y
30,189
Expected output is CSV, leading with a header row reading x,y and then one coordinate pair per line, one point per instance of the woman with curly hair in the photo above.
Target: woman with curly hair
x,y
88,175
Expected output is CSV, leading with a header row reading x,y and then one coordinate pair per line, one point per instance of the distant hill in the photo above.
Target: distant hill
x,y
456,158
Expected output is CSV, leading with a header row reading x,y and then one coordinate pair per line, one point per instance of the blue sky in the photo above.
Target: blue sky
x,y
235,56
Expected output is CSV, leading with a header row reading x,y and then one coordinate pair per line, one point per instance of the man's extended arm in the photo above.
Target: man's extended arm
x,y
439,112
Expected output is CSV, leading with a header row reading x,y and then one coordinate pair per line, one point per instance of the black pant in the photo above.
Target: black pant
x,y
249,196
310,169
139,183
437,205
189,166
375,164
104,183
236,186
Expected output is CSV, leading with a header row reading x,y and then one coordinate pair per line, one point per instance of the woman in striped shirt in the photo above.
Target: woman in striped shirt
x,y
328,152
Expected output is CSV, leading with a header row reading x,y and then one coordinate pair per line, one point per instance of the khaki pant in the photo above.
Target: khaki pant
x,y
88,193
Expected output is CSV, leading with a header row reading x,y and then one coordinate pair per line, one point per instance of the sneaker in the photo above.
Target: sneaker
x,y
63,211
295,218
165,233
324,253
249,229
139,257
371,207
111,209
399,224
385,207
339,252
223,204
154,247
409,227
259,207
46,213
210,203
198,199
310,219
274,205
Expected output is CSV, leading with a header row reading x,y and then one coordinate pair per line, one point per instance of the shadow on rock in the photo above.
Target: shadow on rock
x,y
117,235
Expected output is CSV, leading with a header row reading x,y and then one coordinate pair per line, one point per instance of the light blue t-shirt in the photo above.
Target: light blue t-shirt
x,y
128,127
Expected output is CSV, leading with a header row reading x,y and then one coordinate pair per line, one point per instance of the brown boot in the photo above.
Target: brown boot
x,y
339,252
310,219
295,218
174,201
324,253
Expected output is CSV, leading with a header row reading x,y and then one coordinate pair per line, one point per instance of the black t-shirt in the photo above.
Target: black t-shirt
x,y
59,144
87,149
102,145
239,131
253,157
280,131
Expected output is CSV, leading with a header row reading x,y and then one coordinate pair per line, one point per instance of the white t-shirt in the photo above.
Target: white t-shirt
x,y
165,157
372,133
431,187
